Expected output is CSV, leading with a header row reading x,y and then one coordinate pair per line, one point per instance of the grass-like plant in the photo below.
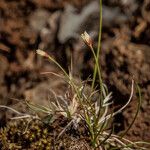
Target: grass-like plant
x,y
90,107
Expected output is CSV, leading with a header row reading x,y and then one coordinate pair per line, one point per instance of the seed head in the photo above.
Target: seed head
x,y
87,39
42,53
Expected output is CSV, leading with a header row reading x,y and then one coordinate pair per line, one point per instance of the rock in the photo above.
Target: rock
x,y
38,19
72,24
48,34
71,21
146,10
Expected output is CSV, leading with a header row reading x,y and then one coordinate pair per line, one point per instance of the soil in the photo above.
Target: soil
x,y
27,25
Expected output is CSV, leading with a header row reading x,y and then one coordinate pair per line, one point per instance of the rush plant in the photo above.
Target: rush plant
x,y
92,107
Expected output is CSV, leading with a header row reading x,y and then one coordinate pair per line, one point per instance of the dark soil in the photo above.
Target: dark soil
x,y
27,25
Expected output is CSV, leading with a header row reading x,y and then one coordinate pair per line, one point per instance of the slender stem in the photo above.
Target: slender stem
x,y
66,74
99,44
99,75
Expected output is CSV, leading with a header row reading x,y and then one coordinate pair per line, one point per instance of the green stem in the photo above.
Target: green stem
x,y
101,86
99,44
99,74
66,74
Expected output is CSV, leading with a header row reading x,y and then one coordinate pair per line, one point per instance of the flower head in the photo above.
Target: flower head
x,y
87,39
42,53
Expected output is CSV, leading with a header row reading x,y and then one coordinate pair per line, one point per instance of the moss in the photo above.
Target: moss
x,y
35,135
25,135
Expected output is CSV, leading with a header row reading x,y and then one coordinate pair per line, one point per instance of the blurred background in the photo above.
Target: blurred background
x,y
55,26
